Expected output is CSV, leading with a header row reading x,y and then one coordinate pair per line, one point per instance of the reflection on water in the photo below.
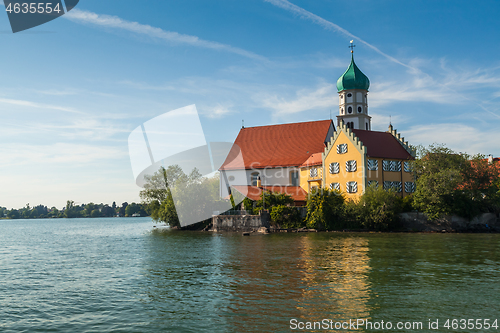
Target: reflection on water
x,y
120,275
336,278
246,284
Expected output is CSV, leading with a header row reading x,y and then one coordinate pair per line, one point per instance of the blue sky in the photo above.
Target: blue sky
x,y
73,89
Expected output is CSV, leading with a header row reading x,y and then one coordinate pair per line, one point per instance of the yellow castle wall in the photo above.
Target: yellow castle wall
x,y
343,176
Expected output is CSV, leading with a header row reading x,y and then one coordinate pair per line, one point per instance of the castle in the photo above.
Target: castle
x,y
298,158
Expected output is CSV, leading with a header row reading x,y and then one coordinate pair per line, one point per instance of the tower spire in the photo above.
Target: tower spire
x,y
352,46
352,87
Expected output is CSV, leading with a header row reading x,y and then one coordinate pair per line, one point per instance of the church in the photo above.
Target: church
x,y
298,158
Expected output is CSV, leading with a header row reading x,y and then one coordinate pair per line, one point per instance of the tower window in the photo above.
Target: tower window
x,y
349,95
360,109
342,111
341,96
367,126
349,109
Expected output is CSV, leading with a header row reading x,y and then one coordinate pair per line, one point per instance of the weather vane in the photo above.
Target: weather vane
x,y
352,46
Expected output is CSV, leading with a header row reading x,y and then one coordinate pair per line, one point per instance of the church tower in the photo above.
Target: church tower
x,y
353,87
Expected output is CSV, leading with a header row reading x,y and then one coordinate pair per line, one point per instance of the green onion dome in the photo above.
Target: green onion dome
x,y
353,78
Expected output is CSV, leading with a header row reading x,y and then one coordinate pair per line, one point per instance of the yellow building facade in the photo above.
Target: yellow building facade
x,y
350,165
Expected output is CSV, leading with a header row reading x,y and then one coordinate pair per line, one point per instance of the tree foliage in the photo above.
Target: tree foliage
x,y
268,200
378,208
451,183
286,217
194,195
325,210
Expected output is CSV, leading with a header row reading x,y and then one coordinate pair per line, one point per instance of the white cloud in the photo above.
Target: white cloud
x,y
38,105
323,97
217,111
57,154
144,29
458,137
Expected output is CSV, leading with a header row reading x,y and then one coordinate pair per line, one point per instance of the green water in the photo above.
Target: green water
x,y
120,275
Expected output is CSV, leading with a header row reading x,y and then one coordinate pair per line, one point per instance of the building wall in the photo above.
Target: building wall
x,y
268,176
394,176
352,154
307,182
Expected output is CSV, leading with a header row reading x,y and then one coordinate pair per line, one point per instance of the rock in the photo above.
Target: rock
x,y
263,230
246,234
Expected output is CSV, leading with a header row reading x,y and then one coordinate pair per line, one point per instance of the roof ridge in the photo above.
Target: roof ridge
x,y
402,141
300,122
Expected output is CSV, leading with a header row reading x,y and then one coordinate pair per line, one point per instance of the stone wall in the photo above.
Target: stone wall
x,y
243,223
419,222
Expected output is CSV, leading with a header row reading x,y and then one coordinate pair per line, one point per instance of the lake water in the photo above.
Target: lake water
x,y
120,275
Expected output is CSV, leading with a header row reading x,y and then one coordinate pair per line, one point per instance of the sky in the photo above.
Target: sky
x,y
73,89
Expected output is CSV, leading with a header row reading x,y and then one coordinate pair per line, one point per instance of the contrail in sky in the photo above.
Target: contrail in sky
x,y
304,14
331,26
144,29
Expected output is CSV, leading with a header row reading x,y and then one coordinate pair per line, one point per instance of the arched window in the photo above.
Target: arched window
x,y
360,109
367,126
349,109
352,124
342,111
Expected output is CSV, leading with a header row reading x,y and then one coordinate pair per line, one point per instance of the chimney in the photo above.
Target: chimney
x,y
490,159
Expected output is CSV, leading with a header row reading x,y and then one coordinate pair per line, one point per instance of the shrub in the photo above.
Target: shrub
x,y
325,210
286,217
378,208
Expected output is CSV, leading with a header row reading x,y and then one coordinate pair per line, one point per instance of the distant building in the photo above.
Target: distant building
x,y
296,158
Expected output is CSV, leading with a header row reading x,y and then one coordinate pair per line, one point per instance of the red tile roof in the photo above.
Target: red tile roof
x,y
382,144
254,192
278,145
314,159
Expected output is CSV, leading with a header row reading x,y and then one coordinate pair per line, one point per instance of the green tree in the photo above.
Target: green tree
x,y
89,208
71,210
13,214
268,200
286,217
158,196
378,208
450,183
325,210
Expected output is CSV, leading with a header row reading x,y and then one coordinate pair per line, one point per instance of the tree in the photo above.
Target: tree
x,y
13,214
272,199
196,197
158,196
123,208
450,183
325,210
89,208
71,210
286,217
378,208
107,211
